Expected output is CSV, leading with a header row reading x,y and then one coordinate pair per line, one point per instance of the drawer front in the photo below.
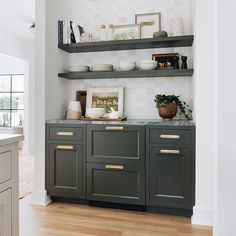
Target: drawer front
x,y
175,137
115,183
5,166
116,143
66,133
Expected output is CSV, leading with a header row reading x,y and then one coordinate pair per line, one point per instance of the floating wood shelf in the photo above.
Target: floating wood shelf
x,y
114,45
126,74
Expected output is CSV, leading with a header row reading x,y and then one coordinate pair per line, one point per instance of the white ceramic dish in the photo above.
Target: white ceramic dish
x,y
127,66
147,66
78,68
95,112
102,67
147,62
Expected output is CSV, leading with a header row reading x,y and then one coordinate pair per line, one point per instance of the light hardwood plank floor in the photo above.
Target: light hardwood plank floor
x,y
60,219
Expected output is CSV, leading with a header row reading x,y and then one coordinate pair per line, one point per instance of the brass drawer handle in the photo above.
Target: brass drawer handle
x,y
165,151
114,128
115,167
169,136
65,147
65,134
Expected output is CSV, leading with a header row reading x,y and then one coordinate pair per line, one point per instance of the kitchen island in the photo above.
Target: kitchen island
x,y
9,184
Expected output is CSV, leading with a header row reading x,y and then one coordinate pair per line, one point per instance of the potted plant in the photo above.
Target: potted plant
x,y
167,106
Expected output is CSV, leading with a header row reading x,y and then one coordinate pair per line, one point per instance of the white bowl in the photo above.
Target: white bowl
x,y
147,62
102,67
147,66
127,66
78,68
114,115
95,112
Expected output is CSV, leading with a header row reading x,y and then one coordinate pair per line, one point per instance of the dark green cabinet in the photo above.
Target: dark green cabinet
x,y
65,163
170,167
116,164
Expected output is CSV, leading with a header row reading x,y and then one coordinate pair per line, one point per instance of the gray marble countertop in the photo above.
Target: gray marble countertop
x,y
10,138
127,122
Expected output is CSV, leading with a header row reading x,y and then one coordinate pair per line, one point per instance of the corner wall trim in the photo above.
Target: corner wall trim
x,y
202,216
40,198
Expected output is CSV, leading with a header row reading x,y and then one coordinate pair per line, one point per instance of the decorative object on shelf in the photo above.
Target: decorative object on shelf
x,y
160,34
127,66
103,33
95,113
74,110
124,32
184,62
167,60
86,38
150,23
106,98
103,119
147,65
78,68
101,67
81,97
114,114
110,32
167,106
177,26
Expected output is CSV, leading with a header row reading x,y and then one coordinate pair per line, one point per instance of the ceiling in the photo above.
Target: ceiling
x,y
16,17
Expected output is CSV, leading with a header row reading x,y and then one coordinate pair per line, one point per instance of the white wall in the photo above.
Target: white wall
x,y
205,108
226,186
11,65
139,93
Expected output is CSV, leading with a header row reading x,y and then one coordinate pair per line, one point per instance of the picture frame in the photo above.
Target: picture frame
x,y
126,32
106,98
167,60
149,22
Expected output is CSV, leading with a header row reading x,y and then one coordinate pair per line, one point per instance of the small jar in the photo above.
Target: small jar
x,y
110,32
103,33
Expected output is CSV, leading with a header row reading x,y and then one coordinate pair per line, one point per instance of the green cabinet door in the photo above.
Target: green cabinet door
x,y
65,170
169,178
115,183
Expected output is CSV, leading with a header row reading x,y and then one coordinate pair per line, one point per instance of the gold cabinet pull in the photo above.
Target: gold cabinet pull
x,y
65,147
114,128
115,167
65,133
165,151
169,136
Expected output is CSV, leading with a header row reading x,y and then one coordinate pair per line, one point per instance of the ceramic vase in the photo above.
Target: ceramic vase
x,y
177,26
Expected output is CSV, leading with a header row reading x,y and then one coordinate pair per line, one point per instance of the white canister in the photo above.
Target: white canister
x,y
74,106
177,26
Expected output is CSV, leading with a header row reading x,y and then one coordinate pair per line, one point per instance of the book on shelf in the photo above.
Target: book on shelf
x,y
69,32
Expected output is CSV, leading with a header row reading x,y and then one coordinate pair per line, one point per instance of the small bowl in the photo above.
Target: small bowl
x,y
114,115
95,112
78,68
148,66
147,62
127,66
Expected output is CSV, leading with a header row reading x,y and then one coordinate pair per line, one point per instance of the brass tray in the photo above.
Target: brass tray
x,y
103,119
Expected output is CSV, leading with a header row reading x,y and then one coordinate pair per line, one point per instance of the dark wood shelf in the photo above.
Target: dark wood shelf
x,y
126,74
176,41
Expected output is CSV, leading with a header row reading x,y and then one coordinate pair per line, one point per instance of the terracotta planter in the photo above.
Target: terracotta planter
x,y
168,112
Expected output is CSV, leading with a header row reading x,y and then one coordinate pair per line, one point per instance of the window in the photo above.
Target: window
x,y
11,100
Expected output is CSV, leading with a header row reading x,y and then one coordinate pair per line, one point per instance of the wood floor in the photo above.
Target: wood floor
x,y
60,219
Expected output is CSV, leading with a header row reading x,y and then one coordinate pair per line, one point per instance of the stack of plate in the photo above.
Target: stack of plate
x,y
78,68
147,65
101,67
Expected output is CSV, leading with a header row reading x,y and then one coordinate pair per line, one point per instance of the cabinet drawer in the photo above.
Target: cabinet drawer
x,y
5,166
115,183
66,133
115,143
176,137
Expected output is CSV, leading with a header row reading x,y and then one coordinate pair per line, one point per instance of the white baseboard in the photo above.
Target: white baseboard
x,y
202,216
40,198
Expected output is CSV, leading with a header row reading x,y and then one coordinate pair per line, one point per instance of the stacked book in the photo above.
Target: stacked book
x,y
69,32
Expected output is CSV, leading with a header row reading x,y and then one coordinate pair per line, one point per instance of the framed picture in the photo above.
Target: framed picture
x,y
106,98
124,32
167,61
150,23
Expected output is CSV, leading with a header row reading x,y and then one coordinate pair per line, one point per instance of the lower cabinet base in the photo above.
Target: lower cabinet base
x,y
152,209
